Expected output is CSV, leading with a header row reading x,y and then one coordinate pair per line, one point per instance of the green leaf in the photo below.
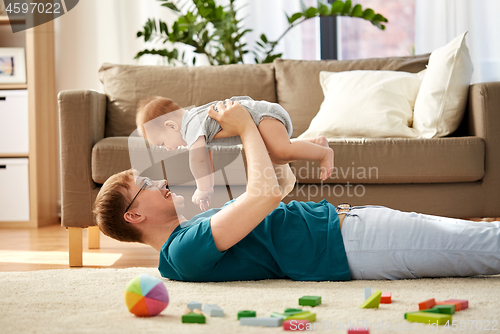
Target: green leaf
x,y
347,7
368,14
194,61
311,12
357,11
323,9
170,6
337,7
379,18
263,38
295,17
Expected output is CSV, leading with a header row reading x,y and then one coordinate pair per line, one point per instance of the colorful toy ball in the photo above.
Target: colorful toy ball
x,y
146,296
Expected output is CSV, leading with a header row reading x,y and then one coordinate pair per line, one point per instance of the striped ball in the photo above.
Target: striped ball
x,y
146,296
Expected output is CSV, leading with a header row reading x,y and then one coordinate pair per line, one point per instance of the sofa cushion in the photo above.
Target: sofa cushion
x,y
299,90
115,154
400,160
126,85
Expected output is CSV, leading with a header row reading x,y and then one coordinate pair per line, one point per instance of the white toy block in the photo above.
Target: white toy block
x,y
213,310
367,292
192,305
266,322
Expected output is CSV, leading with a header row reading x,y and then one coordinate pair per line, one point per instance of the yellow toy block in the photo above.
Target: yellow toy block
x,y
303,316
373,301
428,318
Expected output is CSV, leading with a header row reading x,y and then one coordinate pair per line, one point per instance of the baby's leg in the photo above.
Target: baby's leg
x,y
321,140
283,151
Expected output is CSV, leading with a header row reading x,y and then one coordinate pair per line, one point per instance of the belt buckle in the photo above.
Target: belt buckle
x,y
343,208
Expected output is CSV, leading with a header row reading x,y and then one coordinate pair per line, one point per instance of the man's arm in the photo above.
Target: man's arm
x,y
263,195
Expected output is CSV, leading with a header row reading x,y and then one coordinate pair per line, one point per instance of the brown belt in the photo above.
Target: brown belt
x,y
342,213
341,218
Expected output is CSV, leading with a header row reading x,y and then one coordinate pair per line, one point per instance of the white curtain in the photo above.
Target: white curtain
x,y
98,31
439,21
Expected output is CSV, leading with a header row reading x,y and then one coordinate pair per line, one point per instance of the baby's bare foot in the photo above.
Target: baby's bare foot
x,y
322,141
326,164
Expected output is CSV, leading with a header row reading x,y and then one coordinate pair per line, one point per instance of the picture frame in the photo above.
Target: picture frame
x,y
12,66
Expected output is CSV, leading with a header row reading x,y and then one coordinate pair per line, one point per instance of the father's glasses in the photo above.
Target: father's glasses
x,y
147,183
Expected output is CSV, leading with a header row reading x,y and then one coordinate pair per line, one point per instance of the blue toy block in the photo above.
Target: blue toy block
x,y
213,310
266,322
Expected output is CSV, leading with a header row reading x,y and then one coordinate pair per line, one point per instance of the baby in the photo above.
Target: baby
x,y
163,123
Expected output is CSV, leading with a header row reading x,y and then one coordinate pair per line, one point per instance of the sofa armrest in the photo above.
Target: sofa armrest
x,y
483,120
81,124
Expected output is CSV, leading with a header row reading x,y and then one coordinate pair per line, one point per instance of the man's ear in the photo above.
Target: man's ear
x,y
171,125
133,218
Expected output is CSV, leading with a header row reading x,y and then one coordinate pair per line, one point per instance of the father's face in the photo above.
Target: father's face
x,y
155,199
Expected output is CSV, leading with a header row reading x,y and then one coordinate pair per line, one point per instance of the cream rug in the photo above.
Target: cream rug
x,y
91,301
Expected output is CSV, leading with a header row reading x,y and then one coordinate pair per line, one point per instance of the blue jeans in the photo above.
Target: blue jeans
x,y
382,243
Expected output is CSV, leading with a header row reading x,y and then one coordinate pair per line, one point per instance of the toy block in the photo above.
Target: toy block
x,y
193,318
373,301
429,303
458,305
310,301
192,305
428,318
445,309
278,315
296,310
213,310
367,292
246,314
386,298
465,303
266,322
359,330
303,316
295,325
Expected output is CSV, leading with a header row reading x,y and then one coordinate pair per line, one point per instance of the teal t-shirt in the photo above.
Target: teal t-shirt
x,y
300,240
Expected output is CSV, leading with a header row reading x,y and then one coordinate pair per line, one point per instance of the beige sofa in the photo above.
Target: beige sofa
x,y
454,176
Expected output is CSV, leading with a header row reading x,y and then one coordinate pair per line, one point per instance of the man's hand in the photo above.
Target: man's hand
x,y
203,198
233,118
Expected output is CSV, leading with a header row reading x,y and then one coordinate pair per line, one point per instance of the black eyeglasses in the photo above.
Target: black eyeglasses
x,y
147,183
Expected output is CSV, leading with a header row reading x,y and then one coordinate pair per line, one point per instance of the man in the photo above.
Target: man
x,y
258,237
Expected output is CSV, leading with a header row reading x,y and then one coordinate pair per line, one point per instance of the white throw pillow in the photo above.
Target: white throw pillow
x,y
373,104
442,99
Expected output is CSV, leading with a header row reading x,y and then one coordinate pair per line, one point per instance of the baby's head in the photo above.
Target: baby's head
x,y
159,120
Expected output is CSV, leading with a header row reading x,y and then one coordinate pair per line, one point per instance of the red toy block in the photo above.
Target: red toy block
x,y
458,305
295,325
386,298
359,330
430,303
465,303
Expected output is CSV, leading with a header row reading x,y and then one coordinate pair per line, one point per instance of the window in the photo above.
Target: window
x,y
357,38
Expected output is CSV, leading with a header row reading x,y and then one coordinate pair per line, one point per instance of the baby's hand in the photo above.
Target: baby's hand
x,y
203,198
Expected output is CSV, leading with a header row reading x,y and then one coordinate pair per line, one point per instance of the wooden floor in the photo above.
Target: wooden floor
x,y
47,248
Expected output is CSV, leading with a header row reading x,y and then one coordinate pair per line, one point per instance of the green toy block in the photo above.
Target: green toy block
x,y
193,318
246,314
278,315
428,317
296,310
373,301
310,301
444,309
303,316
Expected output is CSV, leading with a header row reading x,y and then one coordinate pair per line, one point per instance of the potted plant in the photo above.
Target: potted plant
x,y
213,30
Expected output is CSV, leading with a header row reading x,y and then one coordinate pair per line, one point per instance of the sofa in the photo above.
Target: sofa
x,y
457,175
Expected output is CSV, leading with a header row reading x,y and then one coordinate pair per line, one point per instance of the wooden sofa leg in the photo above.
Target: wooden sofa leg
x,y
93,237
75,247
